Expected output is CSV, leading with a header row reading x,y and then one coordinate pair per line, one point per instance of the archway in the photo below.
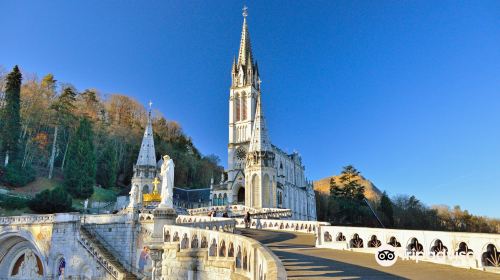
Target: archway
x,y
241,195
20,257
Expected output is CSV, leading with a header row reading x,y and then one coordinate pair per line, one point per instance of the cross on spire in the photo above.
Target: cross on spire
x,y
150,104
245,11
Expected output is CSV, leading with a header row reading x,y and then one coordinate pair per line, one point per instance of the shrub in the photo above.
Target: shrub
x,y
53,201
13,202
16,176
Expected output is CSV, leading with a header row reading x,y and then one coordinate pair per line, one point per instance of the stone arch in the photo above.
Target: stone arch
x,y
356,241
491,257
212,252
240,195
230,251
194,241
204,243
394,242
59,265
176,237
374,242
438,247
222,249
224,199
145,189
185,241
414,246
166,237
237,261
14,244
245,259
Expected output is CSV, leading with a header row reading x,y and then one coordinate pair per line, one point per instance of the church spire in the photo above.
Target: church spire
x,y
245,47
259,142
147,156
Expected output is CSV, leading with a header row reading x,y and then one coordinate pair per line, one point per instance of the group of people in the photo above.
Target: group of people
x,y
247,219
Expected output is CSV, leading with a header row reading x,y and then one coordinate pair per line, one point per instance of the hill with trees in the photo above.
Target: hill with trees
x,y
84,137
347,203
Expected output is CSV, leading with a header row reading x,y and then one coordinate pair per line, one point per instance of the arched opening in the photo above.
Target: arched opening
x,y
356,241
415,246
222,250
463,249
212,252
394,242
439,248
340,237
327,237
204,243
237,261
145,189
194,241
20,257
224,199
243,107
237,108
374,242
491,257
185,242
241,195
230,251
61,266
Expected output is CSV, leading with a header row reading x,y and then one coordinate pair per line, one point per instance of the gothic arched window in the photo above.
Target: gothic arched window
x,y
237,107
243,107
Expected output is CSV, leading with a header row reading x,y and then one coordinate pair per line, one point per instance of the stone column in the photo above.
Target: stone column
x,y
156,257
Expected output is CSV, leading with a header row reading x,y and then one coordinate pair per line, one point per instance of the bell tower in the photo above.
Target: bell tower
x,y
243,95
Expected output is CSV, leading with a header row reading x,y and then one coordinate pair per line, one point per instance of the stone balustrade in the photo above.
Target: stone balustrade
x,y
207,254
461,249
283,225
240,210
213,223
37,219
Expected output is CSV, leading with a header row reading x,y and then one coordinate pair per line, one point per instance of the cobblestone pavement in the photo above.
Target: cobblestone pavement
x,y
303,261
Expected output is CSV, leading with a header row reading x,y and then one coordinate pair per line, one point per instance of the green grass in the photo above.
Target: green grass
x,y
105,195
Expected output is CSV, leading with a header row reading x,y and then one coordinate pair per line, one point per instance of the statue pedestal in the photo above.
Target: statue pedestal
x,y
162,216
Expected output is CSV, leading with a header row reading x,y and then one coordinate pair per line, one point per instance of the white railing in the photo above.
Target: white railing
x,y
251,259
283,225
241,210
461,249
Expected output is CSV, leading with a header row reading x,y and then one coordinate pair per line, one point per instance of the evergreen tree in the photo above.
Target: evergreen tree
x,y
107,167
51,201
80,171
11,117
386,208
349,186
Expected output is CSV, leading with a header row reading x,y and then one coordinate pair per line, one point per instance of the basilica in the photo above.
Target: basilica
x,y
260,176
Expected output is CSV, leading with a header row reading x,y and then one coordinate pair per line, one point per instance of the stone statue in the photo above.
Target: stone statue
x,y
133,196
167,183
28,268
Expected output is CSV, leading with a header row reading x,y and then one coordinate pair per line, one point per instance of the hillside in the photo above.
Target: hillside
x,y
371,191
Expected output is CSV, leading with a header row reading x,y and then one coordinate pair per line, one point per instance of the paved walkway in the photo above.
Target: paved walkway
x,y
303,261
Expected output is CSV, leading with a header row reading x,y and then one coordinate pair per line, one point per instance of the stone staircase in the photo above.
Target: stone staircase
x,y
90,240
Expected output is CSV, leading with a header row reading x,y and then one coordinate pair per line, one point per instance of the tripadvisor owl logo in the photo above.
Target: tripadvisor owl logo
x,y
386,255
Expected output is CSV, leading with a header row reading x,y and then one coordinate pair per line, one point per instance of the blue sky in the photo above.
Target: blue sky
x,y
406,91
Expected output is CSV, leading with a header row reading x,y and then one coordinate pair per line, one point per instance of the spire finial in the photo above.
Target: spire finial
x,y
150,104
245,11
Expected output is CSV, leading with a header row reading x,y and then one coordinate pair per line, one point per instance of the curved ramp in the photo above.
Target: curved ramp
x,y
303,260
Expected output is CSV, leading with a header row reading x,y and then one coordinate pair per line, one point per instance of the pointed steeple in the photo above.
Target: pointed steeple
x,y
147,156
259,142
245,46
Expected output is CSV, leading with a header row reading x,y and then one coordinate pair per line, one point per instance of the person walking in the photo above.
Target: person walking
x,y
247,220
